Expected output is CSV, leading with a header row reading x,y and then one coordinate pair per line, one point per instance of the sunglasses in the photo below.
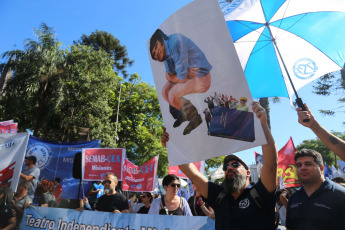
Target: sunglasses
x,y
143,196
234,164
175,185
106,181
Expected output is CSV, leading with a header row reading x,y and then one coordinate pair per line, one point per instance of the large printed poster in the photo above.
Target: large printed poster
x,y
97,162
139,178
203,93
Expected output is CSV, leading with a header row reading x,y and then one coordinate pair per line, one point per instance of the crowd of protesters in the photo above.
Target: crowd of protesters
x,y
236,204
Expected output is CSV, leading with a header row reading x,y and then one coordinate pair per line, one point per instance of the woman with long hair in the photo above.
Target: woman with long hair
x,y
170,203
44,193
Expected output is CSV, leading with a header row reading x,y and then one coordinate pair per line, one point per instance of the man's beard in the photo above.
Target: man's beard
x,y
235,183
108,191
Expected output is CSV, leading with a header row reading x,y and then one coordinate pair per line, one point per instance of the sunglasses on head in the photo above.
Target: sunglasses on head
x,y
175,185
234,164
106,181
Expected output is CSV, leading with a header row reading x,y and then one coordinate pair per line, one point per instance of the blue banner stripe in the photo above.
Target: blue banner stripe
x,y
324,30
270,7
238,29
263,72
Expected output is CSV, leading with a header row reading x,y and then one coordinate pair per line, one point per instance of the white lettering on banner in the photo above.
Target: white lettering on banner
x,y
133,180
143,169
41,223
63,219
44,223
68,160
103,158
99,167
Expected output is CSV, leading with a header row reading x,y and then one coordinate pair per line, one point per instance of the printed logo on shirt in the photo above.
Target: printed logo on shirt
x,y
244,203
296,205
322,206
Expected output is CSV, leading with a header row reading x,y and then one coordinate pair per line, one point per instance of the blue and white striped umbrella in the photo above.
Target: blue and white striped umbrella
x,y
309,34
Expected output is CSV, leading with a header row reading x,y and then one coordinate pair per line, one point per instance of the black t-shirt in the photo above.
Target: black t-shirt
x,y
194,207
324,209
109,203
242,213
143,210
47,198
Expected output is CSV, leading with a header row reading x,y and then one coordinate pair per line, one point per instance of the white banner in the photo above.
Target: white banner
x,y
12,151
203,93
63,219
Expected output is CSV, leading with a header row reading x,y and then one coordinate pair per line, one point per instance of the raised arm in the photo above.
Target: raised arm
x,y
190,170
334,143
269,152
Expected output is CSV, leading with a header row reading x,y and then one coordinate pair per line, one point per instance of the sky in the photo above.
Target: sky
x,y
133,22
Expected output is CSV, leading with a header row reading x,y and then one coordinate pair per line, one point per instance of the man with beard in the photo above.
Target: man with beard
x,y
236,205
112,201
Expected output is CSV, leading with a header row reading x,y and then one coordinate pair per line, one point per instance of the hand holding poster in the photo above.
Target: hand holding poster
x,y
139,178
97,162
203,93
12,151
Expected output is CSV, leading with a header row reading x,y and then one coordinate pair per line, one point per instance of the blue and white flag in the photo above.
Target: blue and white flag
x,y
56,160
60,219
328,172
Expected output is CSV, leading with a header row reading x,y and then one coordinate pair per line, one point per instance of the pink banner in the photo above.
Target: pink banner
x,y
286,165
176,170
139,178
97,162
8,127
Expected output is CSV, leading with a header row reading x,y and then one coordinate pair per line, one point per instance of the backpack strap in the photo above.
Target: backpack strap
x,y
256,197
163,206
219,199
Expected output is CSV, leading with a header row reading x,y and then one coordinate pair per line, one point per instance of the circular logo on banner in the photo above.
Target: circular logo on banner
x,y
244,203
41,152
304,68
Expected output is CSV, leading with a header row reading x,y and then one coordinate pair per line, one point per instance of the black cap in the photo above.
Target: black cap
x,y
234,158
33,158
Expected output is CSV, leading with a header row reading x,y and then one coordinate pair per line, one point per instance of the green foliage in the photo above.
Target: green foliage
x,y
55,92
332,83
319,146
102,40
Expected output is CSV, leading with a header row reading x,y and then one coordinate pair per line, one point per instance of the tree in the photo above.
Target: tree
x,y
103,40
317,145
36,79
332,83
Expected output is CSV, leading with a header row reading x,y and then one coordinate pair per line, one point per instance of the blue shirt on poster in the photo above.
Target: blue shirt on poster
x,y
181,54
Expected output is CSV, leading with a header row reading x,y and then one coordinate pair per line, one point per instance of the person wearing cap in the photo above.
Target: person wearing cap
x,y
237,209
30,173
242,106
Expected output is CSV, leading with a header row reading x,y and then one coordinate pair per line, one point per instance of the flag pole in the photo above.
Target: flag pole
x,y
298,99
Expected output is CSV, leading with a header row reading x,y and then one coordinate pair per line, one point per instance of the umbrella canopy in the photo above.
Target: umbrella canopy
x,y
307,36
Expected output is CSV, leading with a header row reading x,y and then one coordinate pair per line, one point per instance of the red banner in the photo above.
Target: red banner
x,y
97,162
139,178
176,170
8,127
286,165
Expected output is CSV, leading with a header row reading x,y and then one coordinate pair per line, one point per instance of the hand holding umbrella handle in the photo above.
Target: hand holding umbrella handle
x,y
301,105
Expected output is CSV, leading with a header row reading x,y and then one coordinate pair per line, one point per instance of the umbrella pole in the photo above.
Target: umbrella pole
x,y
298,99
